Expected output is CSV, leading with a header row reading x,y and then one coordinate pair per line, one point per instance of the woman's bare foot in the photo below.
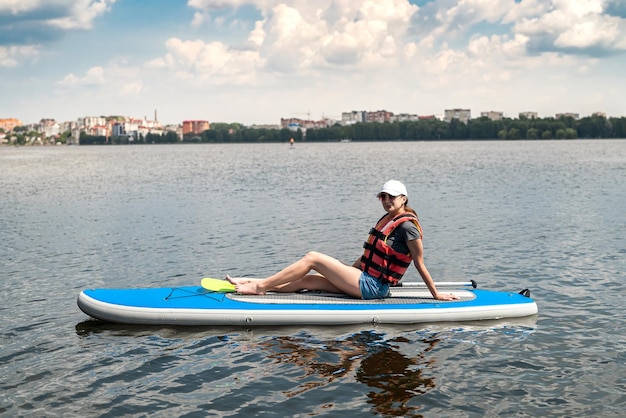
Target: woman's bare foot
x,y
237,280
250,288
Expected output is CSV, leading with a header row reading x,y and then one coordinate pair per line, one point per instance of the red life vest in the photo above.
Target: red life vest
x,y
380,260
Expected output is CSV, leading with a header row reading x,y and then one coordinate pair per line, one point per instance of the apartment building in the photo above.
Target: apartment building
x,y
9,123
462,115
379,116
355,116
195,126
492,114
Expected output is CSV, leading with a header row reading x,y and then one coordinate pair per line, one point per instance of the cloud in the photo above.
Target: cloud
x,y
213,61
36,23
366,35
584,27
391,46
131,88
205,8
295,37
81,14
218,4
580,27
452,19
11,56
115,79
93,77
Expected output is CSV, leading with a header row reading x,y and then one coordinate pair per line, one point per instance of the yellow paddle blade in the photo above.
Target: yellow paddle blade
x,y
217,285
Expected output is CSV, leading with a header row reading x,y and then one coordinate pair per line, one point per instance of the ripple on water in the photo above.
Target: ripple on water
x,y
544,215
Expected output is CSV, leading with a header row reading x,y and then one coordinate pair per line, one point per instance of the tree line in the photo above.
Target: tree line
x,y
423,130
477,129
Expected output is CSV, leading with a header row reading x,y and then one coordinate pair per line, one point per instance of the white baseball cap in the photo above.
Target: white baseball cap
x,y
394,188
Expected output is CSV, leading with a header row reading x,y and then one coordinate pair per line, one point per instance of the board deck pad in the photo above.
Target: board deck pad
x,y
398,296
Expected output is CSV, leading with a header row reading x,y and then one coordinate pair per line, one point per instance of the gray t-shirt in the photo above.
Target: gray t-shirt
x,y
406,231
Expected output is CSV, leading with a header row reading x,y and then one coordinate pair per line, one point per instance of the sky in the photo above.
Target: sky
x,y
255,62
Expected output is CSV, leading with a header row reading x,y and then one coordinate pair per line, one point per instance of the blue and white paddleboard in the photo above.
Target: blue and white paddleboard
x,y
197,305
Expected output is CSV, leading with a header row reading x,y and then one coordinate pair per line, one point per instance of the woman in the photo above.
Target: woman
x,y
394,242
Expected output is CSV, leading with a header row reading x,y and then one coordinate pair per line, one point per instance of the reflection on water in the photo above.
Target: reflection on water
x,y
393,378
388,369
397,377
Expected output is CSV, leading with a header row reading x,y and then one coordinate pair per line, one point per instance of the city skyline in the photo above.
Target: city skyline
x,y
346,118
258,62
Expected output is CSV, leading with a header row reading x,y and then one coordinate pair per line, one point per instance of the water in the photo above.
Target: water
x,y
543,215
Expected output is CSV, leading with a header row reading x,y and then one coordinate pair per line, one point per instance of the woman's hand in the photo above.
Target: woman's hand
x,y
446,296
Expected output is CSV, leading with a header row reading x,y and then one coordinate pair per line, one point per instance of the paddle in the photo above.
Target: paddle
x,y
439,284
217,285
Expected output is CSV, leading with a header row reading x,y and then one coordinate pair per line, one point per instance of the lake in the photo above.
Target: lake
x,y
544,215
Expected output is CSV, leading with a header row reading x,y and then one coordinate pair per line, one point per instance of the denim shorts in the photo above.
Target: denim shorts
x,y
372,288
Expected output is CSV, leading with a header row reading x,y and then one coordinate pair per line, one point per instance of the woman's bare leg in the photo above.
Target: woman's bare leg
x,y
313,281
342,277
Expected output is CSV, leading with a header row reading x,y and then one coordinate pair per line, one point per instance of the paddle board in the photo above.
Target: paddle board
x,y
197,305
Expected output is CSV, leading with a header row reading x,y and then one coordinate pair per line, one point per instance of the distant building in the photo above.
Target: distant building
x,y
296,123
404,117
379,116
174,128
49,128
88,122
98,130
350,118
575,116
462,115
9,124
195,126
493,115
599,114
292,123
265,126
330,121
132,125
68,126
151,124
74,138
144,131
528,115
118,129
